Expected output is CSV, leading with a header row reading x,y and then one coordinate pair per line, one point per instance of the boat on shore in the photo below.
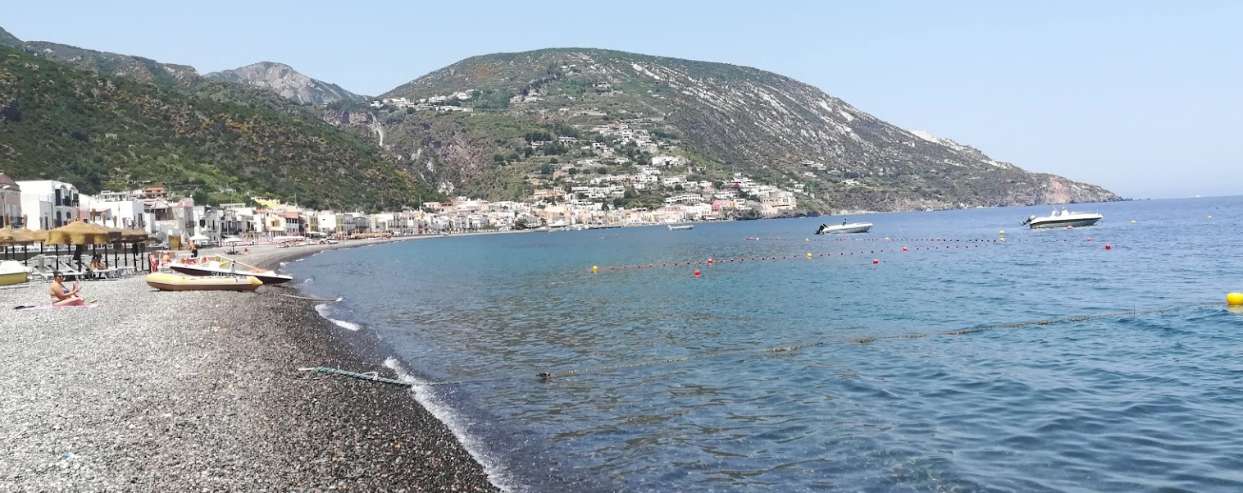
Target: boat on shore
x,y
680,227
164,281
1063,218
13,272
844,228
221,266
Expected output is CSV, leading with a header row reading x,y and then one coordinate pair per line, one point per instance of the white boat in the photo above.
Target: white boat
x,y
680,227
13,272
844,227
1063,219
220,266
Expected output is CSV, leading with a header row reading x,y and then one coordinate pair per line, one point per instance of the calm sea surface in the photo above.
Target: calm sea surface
x,y
773,371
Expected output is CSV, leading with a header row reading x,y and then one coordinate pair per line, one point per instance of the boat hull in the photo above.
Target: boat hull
x,y
1064,223
174,282
14,278
845,229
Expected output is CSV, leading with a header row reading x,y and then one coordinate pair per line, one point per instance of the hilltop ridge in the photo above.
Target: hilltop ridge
x,y
465,125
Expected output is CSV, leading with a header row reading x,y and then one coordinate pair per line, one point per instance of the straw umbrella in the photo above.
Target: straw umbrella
x,y
23,237
134,237
78,234
6,239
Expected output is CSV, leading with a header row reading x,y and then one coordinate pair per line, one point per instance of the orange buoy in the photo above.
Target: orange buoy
x,y
904,249
697,273
1109,247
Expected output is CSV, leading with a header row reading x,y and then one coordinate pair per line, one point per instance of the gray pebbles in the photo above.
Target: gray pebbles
x,y
155,391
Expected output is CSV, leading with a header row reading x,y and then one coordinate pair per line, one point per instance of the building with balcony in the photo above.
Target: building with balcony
x,y
48,204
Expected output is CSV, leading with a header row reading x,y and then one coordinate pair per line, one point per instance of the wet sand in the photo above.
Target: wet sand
x,y
201,390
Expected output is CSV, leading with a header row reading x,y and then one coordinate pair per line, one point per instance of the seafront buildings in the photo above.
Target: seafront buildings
x,y
593,201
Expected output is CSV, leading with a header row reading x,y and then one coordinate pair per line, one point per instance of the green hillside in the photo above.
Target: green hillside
x,y
100,132
467,125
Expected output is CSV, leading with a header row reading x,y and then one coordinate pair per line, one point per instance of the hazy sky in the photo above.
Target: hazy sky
x,y
1143,98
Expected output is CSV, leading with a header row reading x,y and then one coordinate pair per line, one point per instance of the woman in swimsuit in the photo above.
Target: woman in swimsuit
x,y
62,296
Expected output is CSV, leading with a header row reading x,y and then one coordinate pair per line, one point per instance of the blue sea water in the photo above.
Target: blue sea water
x,y
772,371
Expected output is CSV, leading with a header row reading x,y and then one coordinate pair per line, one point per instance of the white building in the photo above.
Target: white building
x,y
48,204
10,202
325,222
123,210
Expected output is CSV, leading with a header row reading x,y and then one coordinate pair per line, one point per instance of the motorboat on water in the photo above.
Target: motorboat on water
x,y
844,227
164,281
1063,218
13,272
223,266
681,227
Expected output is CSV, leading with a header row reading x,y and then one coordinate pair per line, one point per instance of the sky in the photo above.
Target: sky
x,y
1140,97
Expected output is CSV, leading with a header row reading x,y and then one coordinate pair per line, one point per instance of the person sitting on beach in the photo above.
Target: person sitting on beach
x,y
98,265
62,296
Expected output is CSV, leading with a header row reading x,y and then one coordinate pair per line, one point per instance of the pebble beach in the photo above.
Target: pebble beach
x,y
163,391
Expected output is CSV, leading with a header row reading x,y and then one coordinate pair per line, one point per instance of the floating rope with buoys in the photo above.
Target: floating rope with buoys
x,y
711,261
782,349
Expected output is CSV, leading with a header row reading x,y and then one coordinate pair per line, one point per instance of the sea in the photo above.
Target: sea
x,y
941,351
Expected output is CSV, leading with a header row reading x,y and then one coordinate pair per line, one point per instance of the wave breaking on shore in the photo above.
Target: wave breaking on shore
x,y
432,402
325,311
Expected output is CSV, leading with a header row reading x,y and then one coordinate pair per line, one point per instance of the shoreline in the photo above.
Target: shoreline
x,y
153,390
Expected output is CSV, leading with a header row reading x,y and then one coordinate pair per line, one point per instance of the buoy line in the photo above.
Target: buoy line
x,y
596,269
783,349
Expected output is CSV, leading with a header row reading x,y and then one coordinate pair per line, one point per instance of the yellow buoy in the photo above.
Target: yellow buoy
x,y
808,254
595,269
1234,299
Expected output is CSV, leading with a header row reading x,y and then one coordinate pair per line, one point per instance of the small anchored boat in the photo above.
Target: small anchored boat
x,y
176,282
681,227
13,272
1063,218
844,227
222,266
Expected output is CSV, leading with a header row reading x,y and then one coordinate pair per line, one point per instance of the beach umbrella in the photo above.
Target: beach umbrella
x,y
135,238
23,237
6,239
80,233
133,235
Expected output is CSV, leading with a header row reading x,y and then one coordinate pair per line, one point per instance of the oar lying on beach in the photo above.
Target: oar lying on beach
x,y
89,304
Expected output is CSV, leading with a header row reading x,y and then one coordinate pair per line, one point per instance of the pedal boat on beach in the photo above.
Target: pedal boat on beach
x,y
164,281
13,272
221,266
843,228
1063,218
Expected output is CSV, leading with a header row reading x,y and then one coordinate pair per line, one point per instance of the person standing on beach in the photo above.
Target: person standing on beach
x,y
62,296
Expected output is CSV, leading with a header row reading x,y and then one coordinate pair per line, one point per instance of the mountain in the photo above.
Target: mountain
x,y
7,39
287,82
496,124
221,142
114,64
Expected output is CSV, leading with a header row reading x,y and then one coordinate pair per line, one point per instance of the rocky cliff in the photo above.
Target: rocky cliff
x,y
289,83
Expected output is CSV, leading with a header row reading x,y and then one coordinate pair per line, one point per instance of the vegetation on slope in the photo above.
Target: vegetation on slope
x,y
99,132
